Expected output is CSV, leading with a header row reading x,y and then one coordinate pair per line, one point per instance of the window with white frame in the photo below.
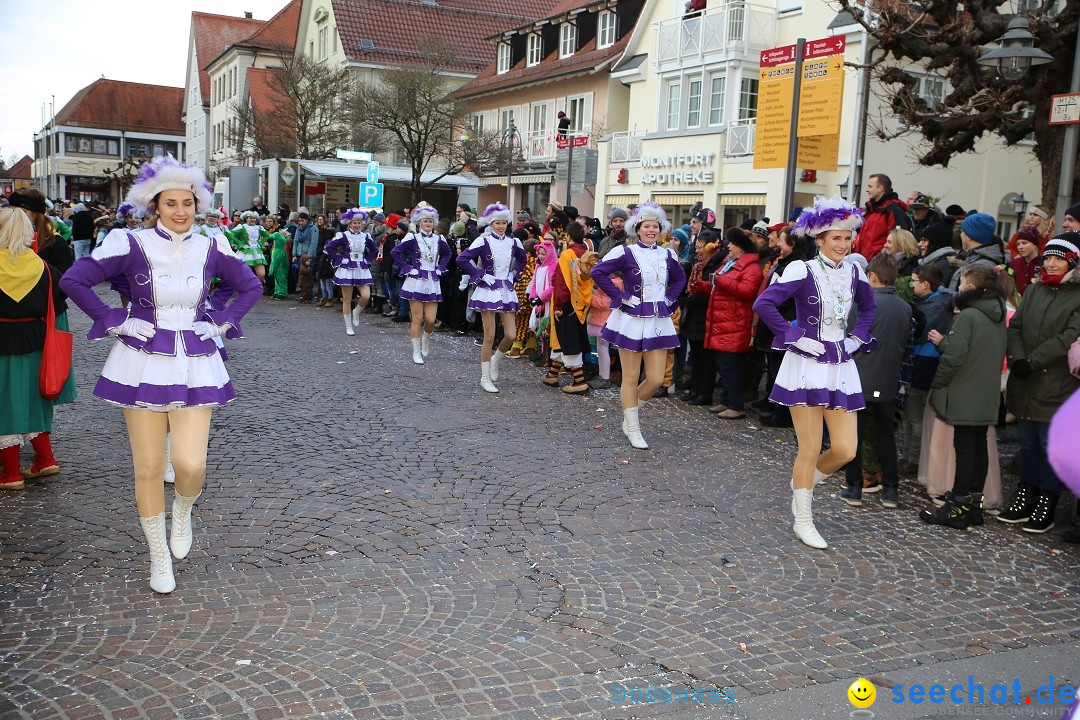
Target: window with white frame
x,y
567,39
576,109
693,103
748,91
605,29
502,62
674,98
785,7
538,117
506,117
324,41
333,33
716,99
534,54
932,90
478,123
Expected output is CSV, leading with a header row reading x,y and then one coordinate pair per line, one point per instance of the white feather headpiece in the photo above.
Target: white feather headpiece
x,y
165,173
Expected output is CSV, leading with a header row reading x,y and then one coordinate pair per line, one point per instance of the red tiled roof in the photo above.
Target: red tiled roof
x,y
280,30
213,34
397,27
586,59
118,105
20,170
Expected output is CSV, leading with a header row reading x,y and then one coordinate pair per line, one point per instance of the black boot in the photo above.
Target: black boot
x,y
1042,517
956,512
1071,536
1021,505
852,495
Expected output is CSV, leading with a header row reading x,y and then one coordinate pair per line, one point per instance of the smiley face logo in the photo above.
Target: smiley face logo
x,y
862,693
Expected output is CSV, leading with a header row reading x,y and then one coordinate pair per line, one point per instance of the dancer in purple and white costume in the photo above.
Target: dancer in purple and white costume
x,y
501,257
640,323
165,370
818,379
351,253
427,256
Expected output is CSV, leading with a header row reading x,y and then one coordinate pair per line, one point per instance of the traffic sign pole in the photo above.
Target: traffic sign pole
x,y
793,135
569,167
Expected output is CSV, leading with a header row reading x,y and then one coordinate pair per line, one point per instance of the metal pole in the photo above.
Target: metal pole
x,y
1068,151
569,167
793,134
855,172
510,130
54,185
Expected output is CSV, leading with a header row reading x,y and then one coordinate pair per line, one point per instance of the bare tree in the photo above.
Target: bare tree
x,y
412,107
304,113
943,38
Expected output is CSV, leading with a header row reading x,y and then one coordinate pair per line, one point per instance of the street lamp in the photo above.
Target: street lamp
x,y
1017,53
1020,206
844,189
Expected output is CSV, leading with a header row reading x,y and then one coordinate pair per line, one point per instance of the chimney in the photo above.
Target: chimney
x,y
247,15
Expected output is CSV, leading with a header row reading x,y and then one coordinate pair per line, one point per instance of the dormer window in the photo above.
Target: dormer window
x,y
605,29
535,53
567,39
502,63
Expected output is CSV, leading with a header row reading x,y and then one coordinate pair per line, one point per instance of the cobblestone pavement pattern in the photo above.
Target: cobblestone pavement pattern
x,y
384,540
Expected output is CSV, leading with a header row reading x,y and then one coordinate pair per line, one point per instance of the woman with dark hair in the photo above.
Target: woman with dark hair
x,y
818,379
165,370
728,323
966,389
695,307
935,245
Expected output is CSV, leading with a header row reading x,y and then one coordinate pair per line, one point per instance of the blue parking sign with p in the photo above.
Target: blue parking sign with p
x,y
371,194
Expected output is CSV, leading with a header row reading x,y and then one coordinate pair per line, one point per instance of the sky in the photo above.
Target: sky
x,y
58,47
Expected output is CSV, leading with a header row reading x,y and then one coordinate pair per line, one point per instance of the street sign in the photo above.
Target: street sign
x,y
373,172
371,195
819,152
775,89
1065,109
354,155
825,47
562,142
288,174
822,96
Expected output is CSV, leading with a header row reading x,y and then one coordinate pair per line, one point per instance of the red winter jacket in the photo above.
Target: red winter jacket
x,y
731,306
880,218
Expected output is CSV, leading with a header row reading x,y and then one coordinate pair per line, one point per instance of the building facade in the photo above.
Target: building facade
x,y
694,78
93,148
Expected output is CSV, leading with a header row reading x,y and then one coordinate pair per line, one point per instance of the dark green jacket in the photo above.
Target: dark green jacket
x,y
967,387
1043,328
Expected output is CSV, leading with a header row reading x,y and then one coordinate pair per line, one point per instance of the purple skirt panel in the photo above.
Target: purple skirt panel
x,y
818,397
145,395
658,342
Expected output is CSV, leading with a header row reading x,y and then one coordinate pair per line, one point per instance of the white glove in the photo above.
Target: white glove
x,y
810,346
851,344
631,301
488,279
208,331
414,273
136,328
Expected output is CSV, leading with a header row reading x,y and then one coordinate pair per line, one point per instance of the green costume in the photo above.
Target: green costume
x,y
279,264
248,248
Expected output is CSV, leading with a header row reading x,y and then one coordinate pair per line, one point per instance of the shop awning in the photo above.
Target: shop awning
x,y
330,170
621,199
677,199
516,179
743,200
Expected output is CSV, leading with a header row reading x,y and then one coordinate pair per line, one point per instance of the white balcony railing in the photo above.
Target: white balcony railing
x,y
732,28
740,138
626,146
538,145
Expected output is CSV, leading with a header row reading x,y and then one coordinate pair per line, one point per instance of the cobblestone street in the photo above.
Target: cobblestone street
x,y
384,540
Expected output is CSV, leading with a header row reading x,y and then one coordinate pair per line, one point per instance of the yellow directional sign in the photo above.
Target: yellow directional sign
x,y
775,89
819,152
822,96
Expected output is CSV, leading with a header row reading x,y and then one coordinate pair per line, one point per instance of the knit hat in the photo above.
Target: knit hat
x,y
954,210
681,235
1074,211
647,210
1065,246
165,173
379,217
760,229
738,238
1030,234
980,227
705,215
493,212
939,234
457,229
828,214
618,213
